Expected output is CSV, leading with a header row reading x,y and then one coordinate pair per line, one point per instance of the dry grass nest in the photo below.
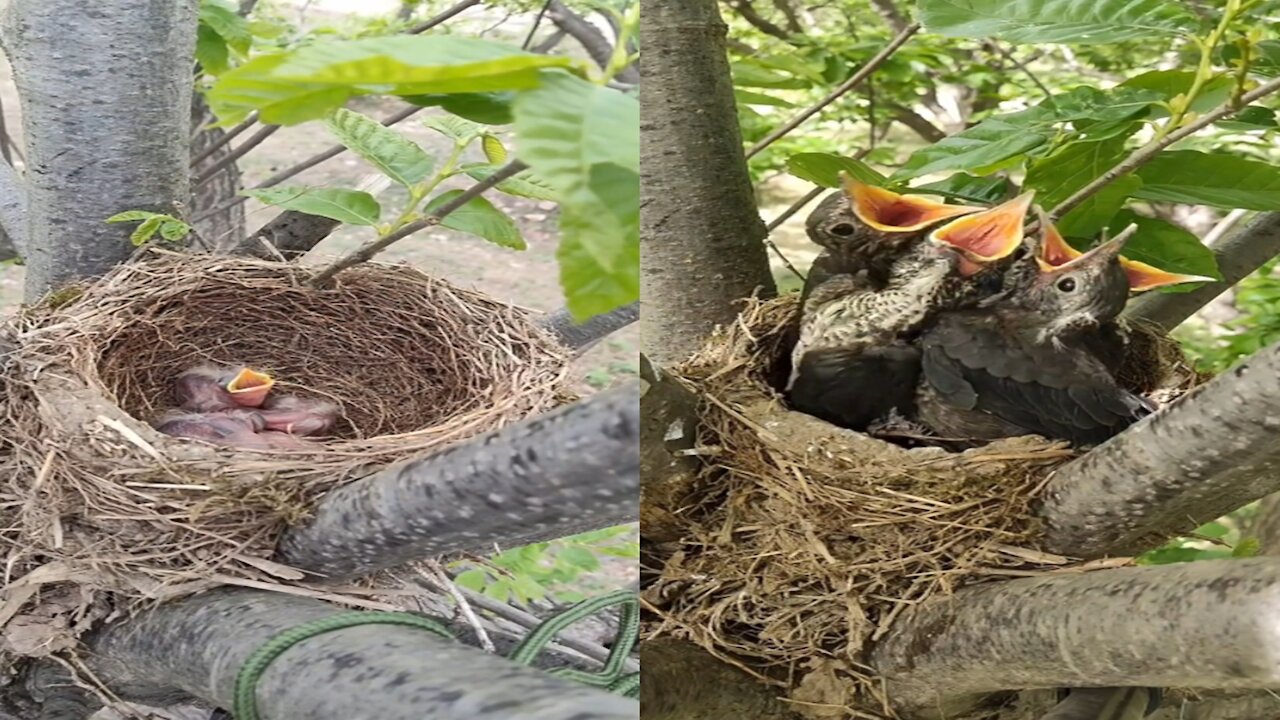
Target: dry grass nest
x,y
803,542
95,499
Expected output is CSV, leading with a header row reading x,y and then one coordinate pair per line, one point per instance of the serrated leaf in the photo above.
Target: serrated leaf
x,y
173,230
523,184
224,19
389,151
479,217
131,216
989,142
824,169
211,51
1166,246
494,151
583,140
143,232
462,131
487,108
1055,21
969,189
1217,179
349,206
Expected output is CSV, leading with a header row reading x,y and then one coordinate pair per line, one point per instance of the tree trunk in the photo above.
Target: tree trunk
x,y
222,223
680,681
700,230
106,106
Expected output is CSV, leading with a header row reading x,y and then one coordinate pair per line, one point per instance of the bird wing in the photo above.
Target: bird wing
x,y
852,387
1059,392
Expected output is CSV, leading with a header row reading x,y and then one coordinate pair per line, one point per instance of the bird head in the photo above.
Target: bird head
x,y
1054,251
249,388
863,218
982,239
1079,294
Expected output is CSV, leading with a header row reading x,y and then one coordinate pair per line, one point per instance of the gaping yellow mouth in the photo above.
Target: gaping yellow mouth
x,y
250,387
989,235
1055,252
889,211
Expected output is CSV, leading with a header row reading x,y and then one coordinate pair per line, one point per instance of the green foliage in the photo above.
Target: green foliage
x,y
220,33
1056,21
523,184
1218,179
395,155
1219,540
481,218
824,169
348,206
171,229
1258,325
546,570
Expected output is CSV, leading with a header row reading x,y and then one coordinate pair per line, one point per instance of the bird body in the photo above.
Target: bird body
x,y
293,415
207,388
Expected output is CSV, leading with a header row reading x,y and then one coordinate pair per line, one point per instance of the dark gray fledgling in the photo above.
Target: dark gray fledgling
x,y
854,361
1017,365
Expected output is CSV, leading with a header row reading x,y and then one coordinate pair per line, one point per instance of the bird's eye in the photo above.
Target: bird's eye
x,y
842,229
1067,285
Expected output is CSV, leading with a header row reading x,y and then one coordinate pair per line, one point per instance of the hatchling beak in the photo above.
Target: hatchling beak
x,y
1106,252
1143,277
249,388
888,211
1054,250
989,235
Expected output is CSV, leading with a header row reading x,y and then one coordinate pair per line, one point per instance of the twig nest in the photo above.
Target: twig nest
x,y
414,363
805,541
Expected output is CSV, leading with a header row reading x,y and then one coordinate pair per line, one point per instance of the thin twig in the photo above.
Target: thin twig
x,y
464,607
367,252
442,17
229,159
537,20
1144,154
862,74
1022,66
227,137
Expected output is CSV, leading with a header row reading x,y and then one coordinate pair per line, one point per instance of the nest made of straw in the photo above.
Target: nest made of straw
x,y
804,541
93,495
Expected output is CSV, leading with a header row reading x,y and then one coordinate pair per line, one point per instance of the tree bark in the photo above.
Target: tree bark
x,y
13,213
221,223
1208,454
1239,255
702,235
195,646
680,681
580,337
1214,624
102,136
571,470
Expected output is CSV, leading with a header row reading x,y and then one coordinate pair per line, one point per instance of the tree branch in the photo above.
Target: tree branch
x,y
758,21
590,37
580,337
227,160
1203,456
1144,154
1216,624
226,137
446,15
571,470
917,122
789,12
893,17
862,74
195,646
1239,255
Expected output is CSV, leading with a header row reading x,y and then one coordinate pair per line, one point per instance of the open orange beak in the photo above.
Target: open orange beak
x,y
250,387
989,235
1054,250
1143,277
887,211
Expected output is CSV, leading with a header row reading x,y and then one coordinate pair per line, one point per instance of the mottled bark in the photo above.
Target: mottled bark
x,y
289,235
104,135
194,648
1202,457
680,681
1239,254
580,337
701,234
1213,624
220,223
13,213
569,471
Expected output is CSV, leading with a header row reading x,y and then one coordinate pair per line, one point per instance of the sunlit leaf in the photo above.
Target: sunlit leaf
x,y
493,149
389,151
143,232
824,169
223,18
1056,21
986,143
174,230
211,51
479,217
463,131
524,184
1217,179
348,206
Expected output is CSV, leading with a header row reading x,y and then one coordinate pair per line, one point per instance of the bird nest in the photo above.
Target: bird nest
x,y
803,542
96,499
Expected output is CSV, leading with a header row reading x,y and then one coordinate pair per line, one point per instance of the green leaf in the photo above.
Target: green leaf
x,y
824,169
1168,555
523,184
211,51
348,206
1170,83
1165,245
527,588
750,74
987,143
969,189
1090,216
1217,179
1071,167
1089,105
479,217
1214,530
499,590
223,18
1253,117
143,232
1265,60
580,557
1055,21
487,108
473,579
494,151
389,151
1247,547
173,230
746,97
132,216
460,130
583,140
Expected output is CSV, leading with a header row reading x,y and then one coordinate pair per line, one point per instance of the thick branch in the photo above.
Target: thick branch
x,y
571,470
101,137
698,209
680,681
1202,457
1239,255
580,337
194,647
917,122
1213,625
